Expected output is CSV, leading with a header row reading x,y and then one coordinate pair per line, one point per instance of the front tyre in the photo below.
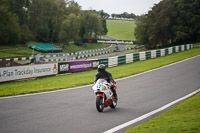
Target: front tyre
x,y
99,104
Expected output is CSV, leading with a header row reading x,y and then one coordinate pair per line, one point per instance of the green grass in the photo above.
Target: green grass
x,y
84,78
183,118
121,30
16,53
131,46
20,50
74,48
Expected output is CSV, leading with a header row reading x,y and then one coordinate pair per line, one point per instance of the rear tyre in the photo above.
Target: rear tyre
x,y
99,104
114,103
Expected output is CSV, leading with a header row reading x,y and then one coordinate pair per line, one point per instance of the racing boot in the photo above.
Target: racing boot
x,y
115,94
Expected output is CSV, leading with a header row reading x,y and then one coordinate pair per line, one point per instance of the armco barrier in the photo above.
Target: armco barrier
x,y
121,60
166,51
180,49
185,47
142,55
17,59
129,58
114,61
162,52
173,49
148,55
41,70
188,47
104,61
158,53
170,50
177,48
136,57
153,54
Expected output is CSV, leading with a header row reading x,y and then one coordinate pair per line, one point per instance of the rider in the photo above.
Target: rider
x,y
103,74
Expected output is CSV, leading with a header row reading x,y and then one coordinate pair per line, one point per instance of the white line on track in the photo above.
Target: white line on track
x,y
68,89
150,113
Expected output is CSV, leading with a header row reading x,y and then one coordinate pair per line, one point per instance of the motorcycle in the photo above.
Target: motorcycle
x,y
104,95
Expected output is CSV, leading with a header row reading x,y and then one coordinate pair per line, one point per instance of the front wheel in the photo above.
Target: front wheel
x,y
99,104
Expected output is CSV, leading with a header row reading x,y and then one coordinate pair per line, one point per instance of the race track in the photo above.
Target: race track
x,y
74,111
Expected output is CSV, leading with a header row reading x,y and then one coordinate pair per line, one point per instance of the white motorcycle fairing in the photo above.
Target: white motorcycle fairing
x,y
104,95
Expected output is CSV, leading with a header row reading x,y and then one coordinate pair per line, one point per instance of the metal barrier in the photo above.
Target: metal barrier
x,y
32,71
136,57
148,55
128,58
104,61
121,60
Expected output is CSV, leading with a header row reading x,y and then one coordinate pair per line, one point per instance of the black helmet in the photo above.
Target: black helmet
x,y
101,68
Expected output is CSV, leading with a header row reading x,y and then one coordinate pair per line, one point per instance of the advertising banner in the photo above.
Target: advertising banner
x,y
77,66
29,71
125,42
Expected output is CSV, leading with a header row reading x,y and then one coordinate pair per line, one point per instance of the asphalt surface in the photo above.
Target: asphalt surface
x,y
108,37
74,111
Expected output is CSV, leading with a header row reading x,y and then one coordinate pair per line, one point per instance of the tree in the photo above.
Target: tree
x,y
9,27
105,30
21,9
69,29
170,22
124,15
26,34
48,21
91,24
73,7
46,17
104,16
187,27
141,30
161,20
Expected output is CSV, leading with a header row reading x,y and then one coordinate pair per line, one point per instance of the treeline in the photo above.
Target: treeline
x,y
55,21
124,15
170,22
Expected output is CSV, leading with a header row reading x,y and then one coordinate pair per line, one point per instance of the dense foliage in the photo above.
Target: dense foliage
x,y
59,21
170,22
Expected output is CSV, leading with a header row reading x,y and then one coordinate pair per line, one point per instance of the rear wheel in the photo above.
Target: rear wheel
x,y
114,103
99,104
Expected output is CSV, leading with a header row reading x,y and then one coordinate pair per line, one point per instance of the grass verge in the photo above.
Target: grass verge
x,y
87,77
183,118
